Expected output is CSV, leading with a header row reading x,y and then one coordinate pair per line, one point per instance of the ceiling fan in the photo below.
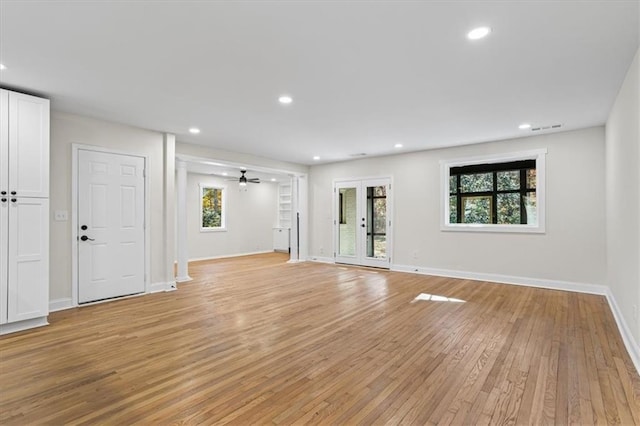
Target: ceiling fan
x,y
242,180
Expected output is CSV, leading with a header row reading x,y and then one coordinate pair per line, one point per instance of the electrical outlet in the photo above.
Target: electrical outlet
x,y
61,215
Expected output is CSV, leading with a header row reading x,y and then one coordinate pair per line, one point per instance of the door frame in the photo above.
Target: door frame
x,y
75,148
390,210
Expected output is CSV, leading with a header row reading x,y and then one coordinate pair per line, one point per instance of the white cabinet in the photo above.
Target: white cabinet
x,y
24,211
281,239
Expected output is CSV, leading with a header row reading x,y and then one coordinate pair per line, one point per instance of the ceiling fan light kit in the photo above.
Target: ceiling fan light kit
x,y
243,180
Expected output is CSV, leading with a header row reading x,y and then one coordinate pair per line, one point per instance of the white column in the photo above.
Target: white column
x,y
293,257
181,222
169,211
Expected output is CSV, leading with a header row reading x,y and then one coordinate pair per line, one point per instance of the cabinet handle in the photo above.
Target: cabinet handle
x,y
4,200
13,200
13,193
3,193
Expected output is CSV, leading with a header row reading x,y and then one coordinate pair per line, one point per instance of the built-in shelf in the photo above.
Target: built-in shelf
x,y
284,206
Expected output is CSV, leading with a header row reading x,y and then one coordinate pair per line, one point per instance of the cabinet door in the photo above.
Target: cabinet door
x,y
4,141
4,245
28,259
28,145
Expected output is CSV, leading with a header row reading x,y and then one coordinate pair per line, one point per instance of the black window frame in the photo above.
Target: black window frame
x,y
522,166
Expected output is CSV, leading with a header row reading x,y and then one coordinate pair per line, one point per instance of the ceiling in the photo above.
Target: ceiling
x,y
363,75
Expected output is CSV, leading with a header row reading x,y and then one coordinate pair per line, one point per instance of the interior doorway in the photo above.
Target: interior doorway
x,y
363,221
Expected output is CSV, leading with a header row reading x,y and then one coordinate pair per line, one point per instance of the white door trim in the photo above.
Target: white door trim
x,y
74,215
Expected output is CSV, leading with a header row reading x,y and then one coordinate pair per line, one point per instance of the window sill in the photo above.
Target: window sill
x,y
213,229
509,229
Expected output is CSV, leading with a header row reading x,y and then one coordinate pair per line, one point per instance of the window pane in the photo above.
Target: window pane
x,y
211,207
453,184
347,230
476,209
380,215
453,209
508,180
380,246
531,207
508,208
380,191
478,182
531,178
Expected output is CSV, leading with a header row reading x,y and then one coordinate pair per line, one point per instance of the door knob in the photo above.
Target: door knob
x,y
85,238
363,225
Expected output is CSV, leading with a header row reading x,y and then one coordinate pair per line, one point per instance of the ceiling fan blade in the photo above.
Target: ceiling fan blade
x,y
253,181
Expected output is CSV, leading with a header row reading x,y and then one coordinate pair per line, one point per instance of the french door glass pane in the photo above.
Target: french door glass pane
x,y
348,222
377,221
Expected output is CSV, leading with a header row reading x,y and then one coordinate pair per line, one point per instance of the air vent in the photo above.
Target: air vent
x,y
549,127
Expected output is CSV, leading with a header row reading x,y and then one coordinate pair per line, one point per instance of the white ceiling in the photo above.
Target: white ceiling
x,y
364,75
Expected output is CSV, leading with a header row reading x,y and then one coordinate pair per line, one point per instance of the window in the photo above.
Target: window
x,y
212,208
501,193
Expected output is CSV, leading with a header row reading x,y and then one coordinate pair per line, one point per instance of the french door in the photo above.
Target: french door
x,y
362,222
111,230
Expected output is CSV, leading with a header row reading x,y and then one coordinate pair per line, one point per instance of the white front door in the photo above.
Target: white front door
x,y
110,225
362,222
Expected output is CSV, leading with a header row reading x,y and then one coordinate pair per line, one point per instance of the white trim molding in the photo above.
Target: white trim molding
x,y
14,327
627,337
445,167
505,279
320,259
60,304
224,256
162,286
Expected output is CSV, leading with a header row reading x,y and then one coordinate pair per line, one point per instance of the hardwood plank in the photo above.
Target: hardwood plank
x,y
254,340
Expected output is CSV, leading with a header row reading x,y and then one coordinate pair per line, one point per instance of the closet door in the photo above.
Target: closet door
x,y
28,258
28,146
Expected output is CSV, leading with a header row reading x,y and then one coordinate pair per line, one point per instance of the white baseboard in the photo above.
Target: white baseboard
x,y
162,286
505,279
14,327
321,259
224,256
60,304
627,337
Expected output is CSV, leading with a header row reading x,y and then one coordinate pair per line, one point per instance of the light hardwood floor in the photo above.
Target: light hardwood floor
x,y
255,340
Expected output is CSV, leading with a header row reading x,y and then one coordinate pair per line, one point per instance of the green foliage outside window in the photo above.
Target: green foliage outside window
x,y
503,193
211,207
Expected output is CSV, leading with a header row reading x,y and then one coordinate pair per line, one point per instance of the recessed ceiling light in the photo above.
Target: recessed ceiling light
x,y
2,67
478,33
285,99
524,126
398,145
316,157
273,179
194,130
225,174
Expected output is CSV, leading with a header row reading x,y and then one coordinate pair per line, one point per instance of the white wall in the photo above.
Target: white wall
x,y
251,215
623,198
572,249
67,129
